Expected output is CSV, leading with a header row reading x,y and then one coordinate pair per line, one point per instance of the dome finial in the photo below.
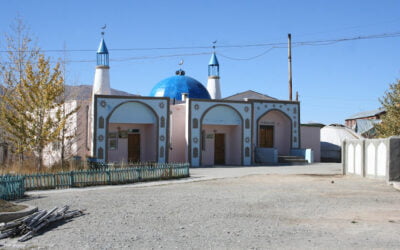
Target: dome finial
x,y
180,72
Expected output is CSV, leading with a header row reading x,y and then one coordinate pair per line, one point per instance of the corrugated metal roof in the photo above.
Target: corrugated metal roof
x,y
367,113
365,125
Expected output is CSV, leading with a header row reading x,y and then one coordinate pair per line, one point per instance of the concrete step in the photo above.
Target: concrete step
x,y
292,160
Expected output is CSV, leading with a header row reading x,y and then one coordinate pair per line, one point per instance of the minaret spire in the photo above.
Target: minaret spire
x,y
102,52
213,85
101,85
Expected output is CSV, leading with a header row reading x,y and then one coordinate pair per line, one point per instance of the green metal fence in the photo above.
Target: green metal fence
x,y
105,176
11,187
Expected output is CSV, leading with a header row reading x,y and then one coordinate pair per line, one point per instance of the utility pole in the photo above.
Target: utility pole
x,y
290,64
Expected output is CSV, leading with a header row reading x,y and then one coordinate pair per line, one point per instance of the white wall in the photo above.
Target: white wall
x,y
311,138
375,158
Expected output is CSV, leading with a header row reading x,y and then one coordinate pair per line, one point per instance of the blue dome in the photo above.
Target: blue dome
x,y
174,86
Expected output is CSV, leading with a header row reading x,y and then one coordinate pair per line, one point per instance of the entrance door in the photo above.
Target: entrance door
x,y
266,136
219,149
133,147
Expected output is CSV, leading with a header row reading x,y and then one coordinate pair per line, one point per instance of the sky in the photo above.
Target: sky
x,y
147,40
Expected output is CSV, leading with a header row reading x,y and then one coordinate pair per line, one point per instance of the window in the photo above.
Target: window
x,y
195,152
161,152
247,124
101,122
195,123
113,143
162,122
100,153
247,152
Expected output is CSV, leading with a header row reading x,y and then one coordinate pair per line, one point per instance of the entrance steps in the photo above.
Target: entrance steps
x,y
292,160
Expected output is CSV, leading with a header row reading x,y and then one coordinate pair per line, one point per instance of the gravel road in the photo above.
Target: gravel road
x,y
266,210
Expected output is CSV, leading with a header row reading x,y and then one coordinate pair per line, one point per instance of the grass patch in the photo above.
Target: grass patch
x,y
6,206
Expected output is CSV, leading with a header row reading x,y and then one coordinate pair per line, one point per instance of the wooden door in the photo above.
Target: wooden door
x,y
219,149
133,147
266,136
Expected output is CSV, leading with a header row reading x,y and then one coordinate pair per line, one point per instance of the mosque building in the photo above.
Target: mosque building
x,y
183,121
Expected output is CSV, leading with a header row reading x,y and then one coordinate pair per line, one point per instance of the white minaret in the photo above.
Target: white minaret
x,y
213,86
101,85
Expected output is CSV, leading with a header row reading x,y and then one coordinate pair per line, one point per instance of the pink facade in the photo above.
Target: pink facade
x,y
282,132
233,143
148,143
178,148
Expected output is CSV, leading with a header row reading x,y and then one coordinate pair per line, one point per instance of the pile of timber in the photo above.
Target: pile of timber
x,y
26,227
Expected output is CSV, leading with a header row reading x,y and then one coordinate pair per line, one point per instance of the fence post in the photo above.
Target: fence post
x,y
139,170
108,176
71,178
344,155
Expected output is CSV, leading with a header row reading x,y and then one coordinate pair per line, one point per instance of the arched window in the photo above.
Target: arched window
x,y
101,122
162,152
247,124
247,152
195,123
195,152
162,122
100,153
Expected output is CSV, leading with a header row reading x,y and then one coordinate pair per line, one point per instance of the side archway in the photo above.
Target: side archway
x,y
274,130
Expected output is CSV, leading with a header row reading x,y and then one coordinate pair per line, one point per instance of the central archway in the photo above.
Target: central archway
x,y
221,136
132,132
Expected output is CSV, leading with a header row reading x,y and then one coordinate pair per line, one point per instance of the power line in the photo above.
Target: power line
x,y
274,44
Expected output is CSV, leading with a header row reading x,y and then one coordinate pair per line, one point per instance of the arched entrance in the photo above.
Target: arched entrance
x,y
274,130
221,136
132,129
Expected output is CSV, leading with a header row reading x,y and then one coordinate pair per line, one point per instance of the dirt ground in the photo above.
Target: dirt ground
x,y
264,211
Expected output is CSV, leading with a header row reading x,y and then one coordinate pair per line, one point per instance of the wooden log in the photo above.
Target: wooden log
x,y
11,224
44,217
26,237
63,209
37,217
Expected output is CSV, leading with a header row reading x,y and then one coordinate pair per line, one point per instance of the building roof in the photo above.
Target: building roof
x,y
84,92
335,134
174,86
365,125
213,60
102,47
365,114
249,94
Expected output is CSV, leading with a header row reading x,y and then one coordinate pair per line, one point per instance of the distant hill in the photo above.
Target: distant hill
x,y
84,92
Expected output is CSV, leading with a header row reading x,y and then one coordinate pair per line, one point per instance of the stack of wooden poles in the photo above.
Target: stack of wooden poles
x,y
28,226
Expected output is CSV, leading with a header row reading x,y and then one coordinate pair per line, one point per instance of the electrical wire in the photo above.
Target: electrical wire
x,y
279,44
